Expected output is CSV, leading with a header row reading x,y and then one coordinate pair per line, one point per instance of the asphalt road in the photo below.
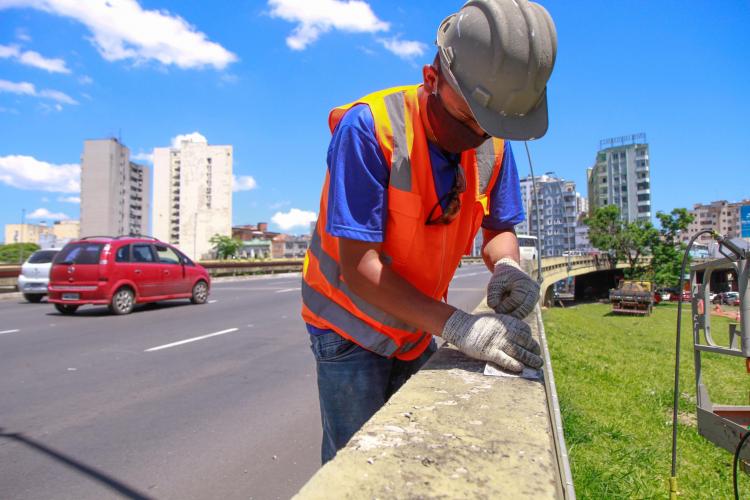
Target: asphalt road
x,y
174,401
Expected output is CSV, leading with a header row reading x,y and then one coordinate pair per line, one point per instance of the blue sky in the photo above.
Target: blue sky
x,y
262,76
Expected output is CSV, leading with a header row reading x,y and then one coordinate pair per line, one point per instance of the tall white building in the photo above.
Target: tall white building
x,y
621,176
115,192
192,195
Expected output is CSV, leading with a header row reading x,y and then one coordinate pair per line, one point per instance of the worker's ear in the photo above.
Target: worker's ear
x,y
429,77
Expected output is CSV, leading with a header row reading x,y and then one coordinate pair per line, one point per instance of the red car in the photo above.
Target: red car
x,y
121,272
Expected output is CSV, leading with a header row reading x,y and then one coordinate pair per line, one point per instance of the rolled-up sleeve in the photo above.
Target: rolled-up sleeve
x,y
357,195
506,204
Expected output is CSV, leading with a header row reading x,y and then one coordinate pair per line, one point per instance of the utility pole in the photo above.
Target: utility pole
x,y
23,227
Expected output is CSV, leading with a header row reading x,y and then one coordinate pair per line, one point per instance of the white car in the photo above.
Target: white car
x,y
34,277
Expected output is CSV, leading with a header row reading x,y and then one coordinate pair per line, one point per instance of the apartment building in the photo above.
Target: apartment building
x,y
285,246
192,195
621,176
115,192
558,212
721,216
43,235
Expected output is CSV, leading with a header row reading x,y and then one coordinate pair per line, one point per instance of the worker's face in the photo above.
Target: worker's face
x,y
452,101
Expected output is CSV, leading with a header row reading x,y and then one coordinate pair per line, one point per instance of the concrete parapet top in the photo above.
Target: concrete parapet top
x,y
451,432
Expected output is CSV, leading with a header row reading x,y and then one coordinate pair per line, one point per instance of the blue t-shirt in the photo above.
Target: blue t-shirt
x,y
358,190
359,174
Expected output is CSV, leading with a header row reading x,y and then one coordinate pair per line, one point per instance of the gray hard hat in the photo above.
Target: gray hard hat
x,y
499,55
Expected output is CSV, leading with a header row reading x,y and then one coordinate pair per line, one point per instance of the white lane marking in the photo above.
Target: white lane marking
x,y
284,290
212,301
9,331
187,341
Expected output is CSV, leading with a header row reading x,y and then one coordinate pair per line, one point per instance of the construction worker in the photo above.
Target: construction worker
x,y
413,173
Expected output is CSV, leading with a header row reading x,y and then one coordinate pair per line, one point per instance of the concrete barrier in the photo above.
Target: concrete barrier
x,y
452,432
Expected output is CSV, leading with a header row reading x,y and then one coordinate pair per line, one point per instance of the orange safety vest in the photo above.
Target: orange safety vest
x,y
426,256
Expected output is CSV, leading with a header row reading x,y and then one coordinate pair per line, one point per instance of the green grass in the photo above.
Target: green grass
x,y
614,378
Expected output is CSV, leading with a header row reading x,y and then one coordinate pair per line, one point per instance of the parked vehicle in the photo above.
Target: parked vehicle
x,y
664,293
123,271
632,297
686,296
731,298
34,277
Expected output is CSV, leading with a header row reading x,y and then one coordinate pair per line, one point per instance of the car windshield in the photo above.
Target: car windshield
x,y
79,253
42,257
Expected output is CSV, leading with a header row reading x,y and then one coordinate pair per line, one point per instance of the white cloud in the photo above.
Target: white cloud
x,y
315,17
12,111
45,199
243,183
147,157
405,49
69,199
34,59
294,218
22,35
43,213
57,96
85,80
26,172
23,88
279,204
123,30
26,88
194,137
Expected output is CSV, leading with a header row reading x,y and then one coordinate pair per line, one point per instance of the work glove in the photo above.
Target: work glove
x,y
498,338
511,291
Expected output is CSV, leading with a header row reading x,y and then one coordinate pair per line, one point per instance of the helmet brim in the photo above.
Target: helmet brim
x,y
532,125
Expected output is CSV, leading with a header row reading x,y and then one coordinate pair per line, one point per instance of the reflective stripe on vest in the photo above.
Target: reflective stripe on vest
x,y
400,177
485,163
365,335
332,273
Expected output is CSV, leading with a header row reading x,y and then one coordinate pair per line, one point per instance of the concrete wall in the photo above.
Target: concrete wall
x,y
453,432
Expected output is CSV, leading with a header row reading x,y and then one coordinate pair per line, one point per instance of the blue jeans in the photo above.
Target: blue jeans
x,y
353,383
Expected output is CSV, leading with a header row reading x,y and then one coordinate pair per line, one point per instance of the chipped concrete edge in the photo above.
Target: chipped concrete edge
x,y
452,432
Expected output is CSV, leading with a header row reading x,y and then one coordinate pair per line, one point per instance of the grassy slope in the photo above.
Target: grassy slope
x,y
614,378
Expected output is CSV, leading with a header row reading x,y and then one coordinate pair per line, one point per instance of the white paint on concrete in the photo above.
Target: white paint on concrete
x,y
9,331
187,341
285,290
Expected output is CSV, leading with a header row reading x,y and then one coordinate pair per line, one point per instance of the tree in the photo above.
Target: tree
x,y
605,230
14,253
225,246
625,242
638,238
667,251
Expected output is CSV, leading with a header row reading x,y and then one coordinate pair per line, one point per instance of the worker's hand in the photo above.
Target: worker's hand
x,y
501,339
512,291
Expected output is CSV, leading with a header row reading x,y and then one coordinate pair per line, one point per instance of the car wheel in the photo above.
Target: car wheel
x,y
33,297
200,293
123,301
66,308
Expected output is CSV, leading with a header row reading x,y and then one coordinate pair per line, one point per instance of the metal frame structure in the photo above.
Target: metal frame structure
x,y
723,425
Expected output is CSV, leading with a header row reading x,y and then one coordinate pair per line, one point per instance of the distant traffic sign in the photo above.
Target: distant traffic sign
x,y
745,221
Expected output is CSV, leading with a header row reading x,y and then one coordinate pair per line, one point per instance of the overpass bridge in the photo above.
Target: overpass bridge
x,y
600,271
